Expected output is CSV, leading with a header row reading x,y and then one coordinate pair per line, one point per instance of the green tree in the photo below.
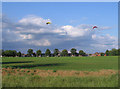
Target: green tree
x,y
64,52
38,53
90,54
119,52
34,54
73,51
102,54
56,52
30,52
114,52
110,53
82,53
2,52
14,53
7,53
48,52
107,52
10,53
19,54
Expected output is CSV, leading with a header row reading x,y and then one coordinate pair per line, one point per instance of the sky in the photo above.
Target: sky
x,y
24,26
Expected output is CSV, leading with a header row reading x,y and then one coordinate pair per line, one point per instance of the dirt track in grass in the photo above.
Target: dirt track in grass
x,y
63,73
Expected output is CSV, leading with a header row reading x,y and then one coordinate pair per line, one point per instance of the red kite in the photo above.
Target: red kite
x,y
95,27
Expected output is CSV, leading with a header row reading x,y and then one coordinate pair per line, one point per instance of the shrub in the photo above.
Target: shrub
x,y
32,73
34,70
6,67
17,69
22,71
54,71
13,71
28,71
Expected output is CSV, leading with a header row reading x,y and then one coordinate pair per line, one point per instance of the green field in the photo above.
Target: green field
x,y
88,64
37,81
62,63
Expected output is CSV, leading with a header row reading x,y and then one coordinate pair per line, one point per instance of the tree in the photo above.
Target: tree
x,y
7,53
119,52
19,54
64,52
107,53
73,51
114,52
56,52
11,53
47,53
102,54
30,52
14,53
34,54
2,52
90,54
38,53
82,53
110,53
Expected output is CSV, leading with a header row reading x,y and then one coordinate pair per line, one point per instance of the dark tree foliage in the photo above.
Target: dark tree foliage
x,y
10,53
119,52
64,52
38,53
19,54
82,53
48,52
56,52
102,54
34,54
113,52
30,52
73,51
107,52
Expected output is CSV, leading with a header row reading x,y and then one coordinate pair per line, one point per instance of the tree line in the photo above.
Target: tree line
x,y
56,52
113,52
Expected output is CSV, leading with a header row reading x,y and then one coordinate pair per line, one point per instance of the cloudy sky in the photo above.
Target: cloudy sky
x,y
24,26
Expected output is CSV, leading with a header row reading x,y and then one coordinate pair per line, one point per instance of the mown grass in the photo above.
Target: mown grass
x,y
37,81
62,63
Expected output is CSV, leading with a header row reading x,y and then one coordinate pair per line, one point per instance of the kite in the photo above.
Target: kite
x,y
95,27
48,23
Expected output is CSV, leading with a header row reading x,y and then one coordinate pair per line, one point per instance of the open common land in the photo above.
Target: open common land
x,y
60,71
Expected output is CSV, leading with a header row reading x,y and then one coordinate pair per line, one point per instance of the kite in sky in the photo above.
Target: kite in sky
x,y
48,23
95,27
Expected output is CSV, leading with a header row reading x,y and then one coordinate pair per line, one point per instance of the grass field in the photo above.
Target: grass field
x,y
60,71
62,63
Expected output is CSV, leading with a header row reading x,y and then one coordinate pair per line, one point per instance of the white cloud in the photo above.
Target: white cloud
x,y
104,42
75,31
42,42
29,36
33,31
104,28
34,20
93,36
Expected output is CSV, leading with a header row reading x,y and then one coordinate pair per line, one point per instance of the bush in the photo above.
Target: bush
x,y
34,70
28,71
23,71
32,73
54,71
